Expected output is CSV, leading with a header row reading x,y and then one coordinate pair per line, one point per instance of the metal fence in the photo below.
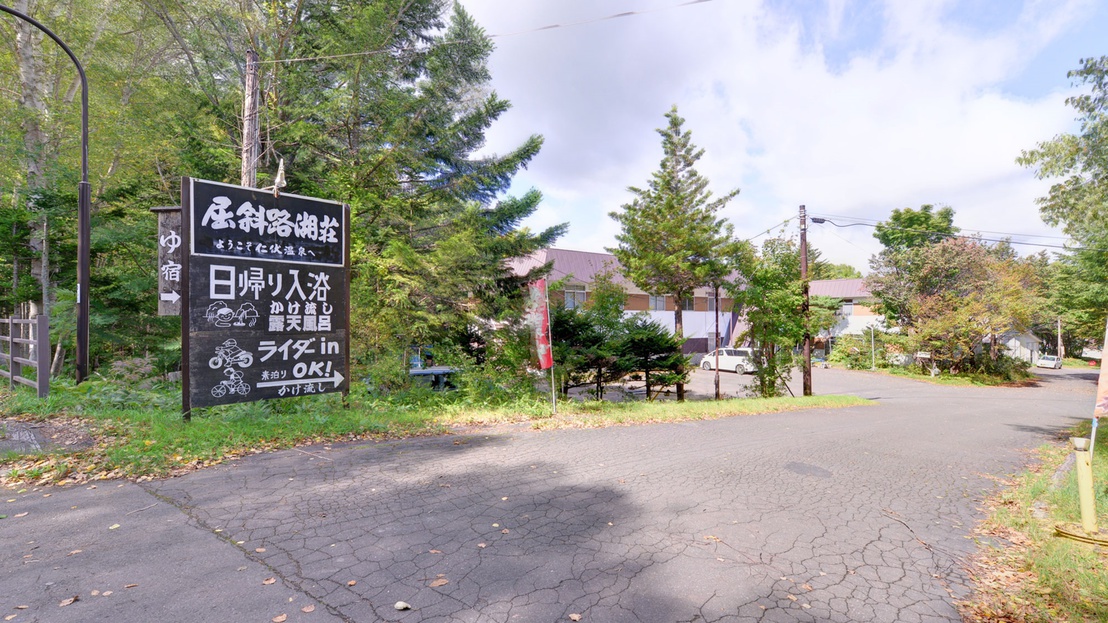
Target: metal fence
x,y
13,346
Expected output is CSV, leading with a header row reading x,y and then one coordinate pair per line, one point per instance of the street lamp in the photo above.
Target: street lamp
x,y
84,201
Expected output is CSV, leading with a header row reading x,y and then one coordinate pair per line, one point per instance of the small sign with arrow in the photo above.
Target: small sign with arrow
x,y
169,260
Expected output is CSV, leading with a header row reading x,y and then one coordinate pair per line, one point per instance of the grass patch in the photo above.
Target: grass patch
x,y
1086,363
1030,574
139,433
962,379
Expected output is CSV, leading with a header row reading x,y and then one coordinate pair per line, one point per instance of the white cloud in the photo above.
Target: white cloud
x,y
916,115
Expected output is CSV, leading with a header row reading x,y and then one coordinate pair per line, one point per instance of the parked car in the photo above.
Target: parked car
x,y
740,360
1049,361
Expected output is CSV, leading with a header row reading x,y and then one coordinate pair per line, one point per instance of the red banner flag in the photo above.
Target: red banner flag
x,y
538,318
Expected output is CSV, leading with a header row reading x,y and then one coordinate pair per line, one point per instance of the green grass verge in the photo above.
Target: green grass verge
x,y
140,433
1029,573
1088,364
964,379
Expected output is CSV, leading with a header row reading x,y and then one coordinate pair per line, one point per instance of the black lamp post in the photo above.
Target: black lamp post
x,y
84,202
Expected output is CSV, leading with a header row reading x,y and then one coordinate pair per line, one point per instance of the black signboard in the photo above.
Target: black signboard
x,y
267,310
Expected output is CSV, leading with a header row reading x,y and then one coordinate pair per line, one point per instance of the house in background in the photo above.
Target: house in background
x,y
577,271
855,315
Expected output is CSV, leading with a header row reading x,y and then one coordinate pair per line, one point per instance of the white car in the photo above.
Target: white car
x,y
1049,361
741,360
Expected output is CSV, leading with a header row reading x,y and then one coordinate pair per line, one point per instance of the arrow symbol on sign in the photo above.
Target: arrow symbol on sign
x,y
172,297
336,378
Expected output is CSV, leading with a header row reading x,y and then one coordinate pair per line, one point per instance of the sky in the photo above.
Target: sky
x,y
850,107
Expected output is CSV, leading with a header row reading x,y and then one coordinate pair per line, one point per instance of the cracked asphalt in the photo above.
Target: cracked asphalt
x,y
846,515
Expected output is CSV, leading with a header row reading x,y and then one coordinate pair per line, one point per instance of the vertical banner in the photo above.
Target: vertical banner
x,y
1101,406
538,318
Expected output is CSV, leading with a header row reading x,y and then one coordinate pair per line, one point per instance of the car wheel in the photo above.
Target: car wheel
x,y
706,365
739,369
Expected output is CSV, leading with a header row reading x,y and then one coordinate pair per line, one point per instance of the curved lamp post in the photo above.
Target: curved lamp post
x,y
84,201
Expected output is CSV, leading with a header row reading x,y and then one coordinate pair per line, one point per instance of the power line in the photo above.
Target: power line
x,y
965,237
496,36
874,222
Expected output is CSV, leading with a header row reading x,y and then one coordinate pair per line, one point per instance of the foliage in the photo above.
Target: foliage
x,y
910,229
389,122
1078,201
650,349
770,293
670,240
586,340
959,297
826,270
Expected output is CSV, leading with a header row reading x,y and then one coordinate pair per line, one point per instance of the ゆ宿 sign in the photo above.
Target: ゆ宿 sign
x,y
267,305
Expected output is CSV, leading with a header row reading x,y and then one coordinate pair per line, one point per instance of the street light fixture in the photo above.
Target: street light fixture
x,y
84,202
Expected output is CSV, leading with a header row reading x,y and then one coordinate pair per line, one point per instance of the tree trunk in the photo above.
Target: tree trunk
x,y
59,359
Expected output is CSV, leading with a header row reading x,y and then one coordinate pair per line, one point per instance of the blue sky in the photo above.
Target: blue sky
x,y
852,108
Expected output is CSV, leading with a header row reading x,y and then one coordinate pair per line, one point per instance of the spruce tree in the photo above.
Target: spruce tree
x,y
671,241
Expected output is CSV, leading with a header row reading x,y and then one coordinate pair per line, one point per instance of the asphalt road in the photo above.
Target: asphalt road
x,y
849,515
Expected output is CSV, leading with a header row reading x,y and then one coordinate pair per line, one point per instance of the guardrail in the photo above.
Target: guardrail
x,y
12,355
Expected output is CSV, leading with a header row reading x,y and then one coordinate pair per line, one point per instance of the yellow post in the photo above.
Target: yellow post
x,y
1085,484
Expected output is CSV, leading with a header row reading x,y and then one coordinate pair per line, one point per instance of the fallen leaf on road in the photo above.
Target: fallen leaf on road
x,y
574,617
439,582
351,582
822,573
503,499
269,581
709,537
10,617
94,593
791,597
21,607
76,551
434,551
805,606
20,515
66,602
105,593
260,550
402,605
130,585
504,531
806,587
482,545
113,526
280,618
308,608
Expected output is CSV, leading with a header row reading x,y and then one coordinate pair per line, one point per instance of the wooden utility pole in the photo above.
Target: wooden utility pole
x,y
250,132
804,306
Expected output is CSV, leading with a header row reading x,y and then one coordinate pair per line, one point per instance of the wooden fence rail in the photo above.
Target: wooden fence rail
x,y
13,346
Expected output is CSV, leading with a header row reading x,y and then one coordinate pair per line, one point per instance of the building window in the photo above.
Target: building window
x,y
712,303
687,304
575,296
657,303
847,309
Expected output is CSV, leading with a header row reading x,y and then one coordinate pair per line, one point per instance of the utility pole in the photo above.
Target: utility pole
x,y
250,133
804,306
716,297
1061,346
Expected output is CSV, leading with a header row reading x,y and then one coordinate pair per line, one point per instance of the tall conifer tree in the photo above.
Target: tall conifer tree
x,y
671,240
